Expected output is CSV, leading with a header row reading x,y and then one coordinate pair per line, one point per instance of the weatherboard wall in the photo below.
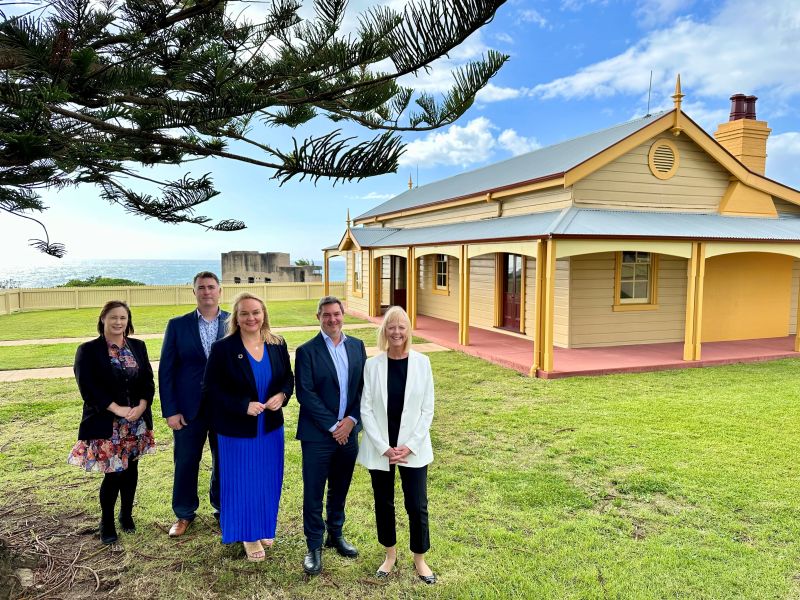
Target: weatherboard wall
x,y
627,182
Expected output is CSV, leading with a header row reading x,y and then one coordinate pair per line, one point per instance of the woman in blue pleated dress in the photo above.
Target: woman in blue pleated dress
x,y
248,380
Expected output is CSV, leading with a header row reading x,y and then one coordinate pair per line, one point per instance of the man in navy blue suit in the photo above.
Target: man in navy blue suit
x,y
187,343
328,381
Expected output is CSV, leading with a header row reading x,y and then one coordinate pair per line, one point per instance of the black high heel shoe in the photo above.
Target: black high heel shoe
x,y
127,524
108,533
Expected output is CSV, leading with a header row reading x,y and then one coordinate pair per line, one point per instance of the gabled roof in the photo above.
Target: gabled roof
x,y
589,223
565,163
534,166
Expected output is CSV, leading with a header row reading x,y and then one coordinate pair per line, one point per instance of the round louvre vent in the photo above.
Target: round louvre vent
x,y
663,159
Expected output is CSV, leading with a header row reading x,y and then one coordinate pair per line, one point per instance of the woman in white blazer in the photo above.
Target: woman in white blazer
x,y
396,413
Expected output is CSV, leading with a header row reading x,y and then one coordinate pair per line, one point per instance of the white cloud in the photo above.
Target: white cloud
x,y
471,144
517,144
504,37
654,12
372,196
783,158
493,93
530,15
748,46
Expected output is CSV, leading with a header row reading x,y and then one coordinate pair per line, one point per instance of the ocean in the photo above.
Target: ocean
x,y
150,272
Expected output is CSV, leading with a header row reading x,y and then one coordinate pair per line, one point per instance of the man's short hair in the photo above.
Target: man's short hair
x,y
204,275
328,300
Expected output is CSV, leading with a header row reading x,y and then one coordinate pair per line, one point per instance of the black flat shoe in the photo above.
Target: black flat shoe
x,y
312,563
429,579
381,574
127,524
108,535
343,547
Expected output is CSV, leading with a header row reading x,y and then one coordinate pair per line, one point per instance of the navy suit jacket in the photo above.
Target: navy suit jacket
x,y
229,386
183,362
318,387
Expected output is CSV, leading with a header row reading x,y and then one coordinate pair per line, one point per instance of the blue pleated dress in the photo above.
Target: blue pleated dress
x,y
251,474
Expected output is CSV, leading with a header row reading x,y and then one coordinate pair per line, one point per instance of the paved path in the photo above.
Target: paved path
x,y
62,372
155,336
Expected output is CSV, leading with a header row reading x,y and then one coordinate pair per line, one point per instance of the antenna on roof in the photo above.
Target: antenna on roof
x,y
417,174
649,91
348,218
410,182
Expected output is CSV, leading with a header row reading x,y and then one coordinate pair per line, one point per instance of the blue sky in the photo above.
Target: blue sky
x,y
576,66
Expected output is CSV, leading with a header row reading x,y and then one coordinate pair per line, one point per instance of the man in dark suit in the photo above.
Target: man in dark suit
x,y
187,343
328,382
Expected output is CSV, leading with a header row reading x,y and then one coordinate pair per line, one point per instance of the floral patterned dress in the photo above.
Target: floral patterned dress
x,y
129,439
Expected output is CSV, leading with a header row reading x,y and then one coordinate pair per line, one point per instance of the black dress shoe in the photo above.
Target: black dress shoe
x,y
429,579
127,524
343,547
312,563
381,574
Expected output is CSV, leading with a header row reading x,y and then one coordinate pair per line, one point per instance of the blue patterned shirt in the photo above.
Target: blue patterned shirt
x,y
208,330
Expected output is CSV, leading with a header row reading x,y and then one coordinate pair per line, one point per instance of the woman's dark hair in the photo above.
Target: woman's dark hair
x,y
108,307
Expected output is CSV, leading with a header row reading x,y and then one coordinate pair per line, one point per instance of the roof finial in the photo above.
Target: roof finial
x,y
677,97
348,218
410,182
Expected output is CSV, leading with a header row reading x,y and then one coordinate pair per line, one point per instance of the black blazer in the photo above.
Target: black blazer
x,y
229,386
318,387
100,386
183,361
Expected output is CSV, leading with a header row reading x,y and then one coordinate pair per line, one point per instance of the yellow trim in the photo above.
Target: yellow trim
x,y
411,288
454,251
348,242
381,252
622,147
521,248
549,306
741,200
717,248
374,285
694,303
435,288
652,304
358,292
537,308
576,247
797,325
478,198
652,162
463,298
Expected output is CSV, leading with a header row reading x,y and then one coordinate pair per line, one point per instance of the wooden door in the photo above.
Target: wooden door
x,y
512,291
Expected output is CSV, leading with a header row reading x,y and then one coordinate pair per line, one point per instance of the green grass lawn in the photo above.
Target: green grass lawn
x,y
82,322
678,484
35,356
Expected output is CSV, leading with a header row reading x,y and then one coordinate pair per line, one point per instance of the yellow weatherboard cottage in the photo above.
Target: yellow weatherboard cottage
x,y
649,232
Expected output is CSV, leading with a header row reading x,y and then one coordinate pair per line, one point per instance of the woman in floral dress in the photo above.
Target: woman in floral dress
x,y
116,383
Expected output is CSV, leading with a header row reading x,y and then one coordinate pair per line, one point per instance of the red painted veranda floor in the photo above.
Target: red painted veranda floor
x,y
517,353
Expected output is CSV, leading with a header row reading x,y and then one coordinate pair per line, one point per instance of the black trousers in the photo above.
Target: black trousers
x,y
331,463
189,442
414,482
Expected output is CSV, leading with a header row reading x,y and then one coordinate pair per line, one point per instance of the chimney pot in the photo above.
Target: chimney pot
x,y
750,107
738,107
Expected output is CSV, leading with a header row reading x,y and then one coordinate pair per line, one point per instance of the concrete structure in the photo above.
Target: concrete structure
x,y
265,267
649,232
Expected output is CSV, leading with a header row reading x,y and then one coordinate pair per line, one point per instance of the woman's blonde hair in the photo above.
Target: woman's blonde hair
x,y
232,324
394,315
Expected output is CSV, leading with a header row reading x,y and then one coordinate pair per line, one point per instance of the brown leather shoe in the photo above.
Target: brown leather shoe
x,y
179,527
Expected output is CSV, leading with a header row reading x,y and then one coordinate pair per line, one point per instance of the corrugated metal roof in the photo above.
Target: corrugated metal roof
x,y
590,223
538,164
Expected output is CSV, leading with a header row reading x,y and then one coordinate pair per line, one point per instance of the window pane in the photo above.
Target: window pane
x,y
627,272
642,271
626,290
628,257
641,290
643,257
